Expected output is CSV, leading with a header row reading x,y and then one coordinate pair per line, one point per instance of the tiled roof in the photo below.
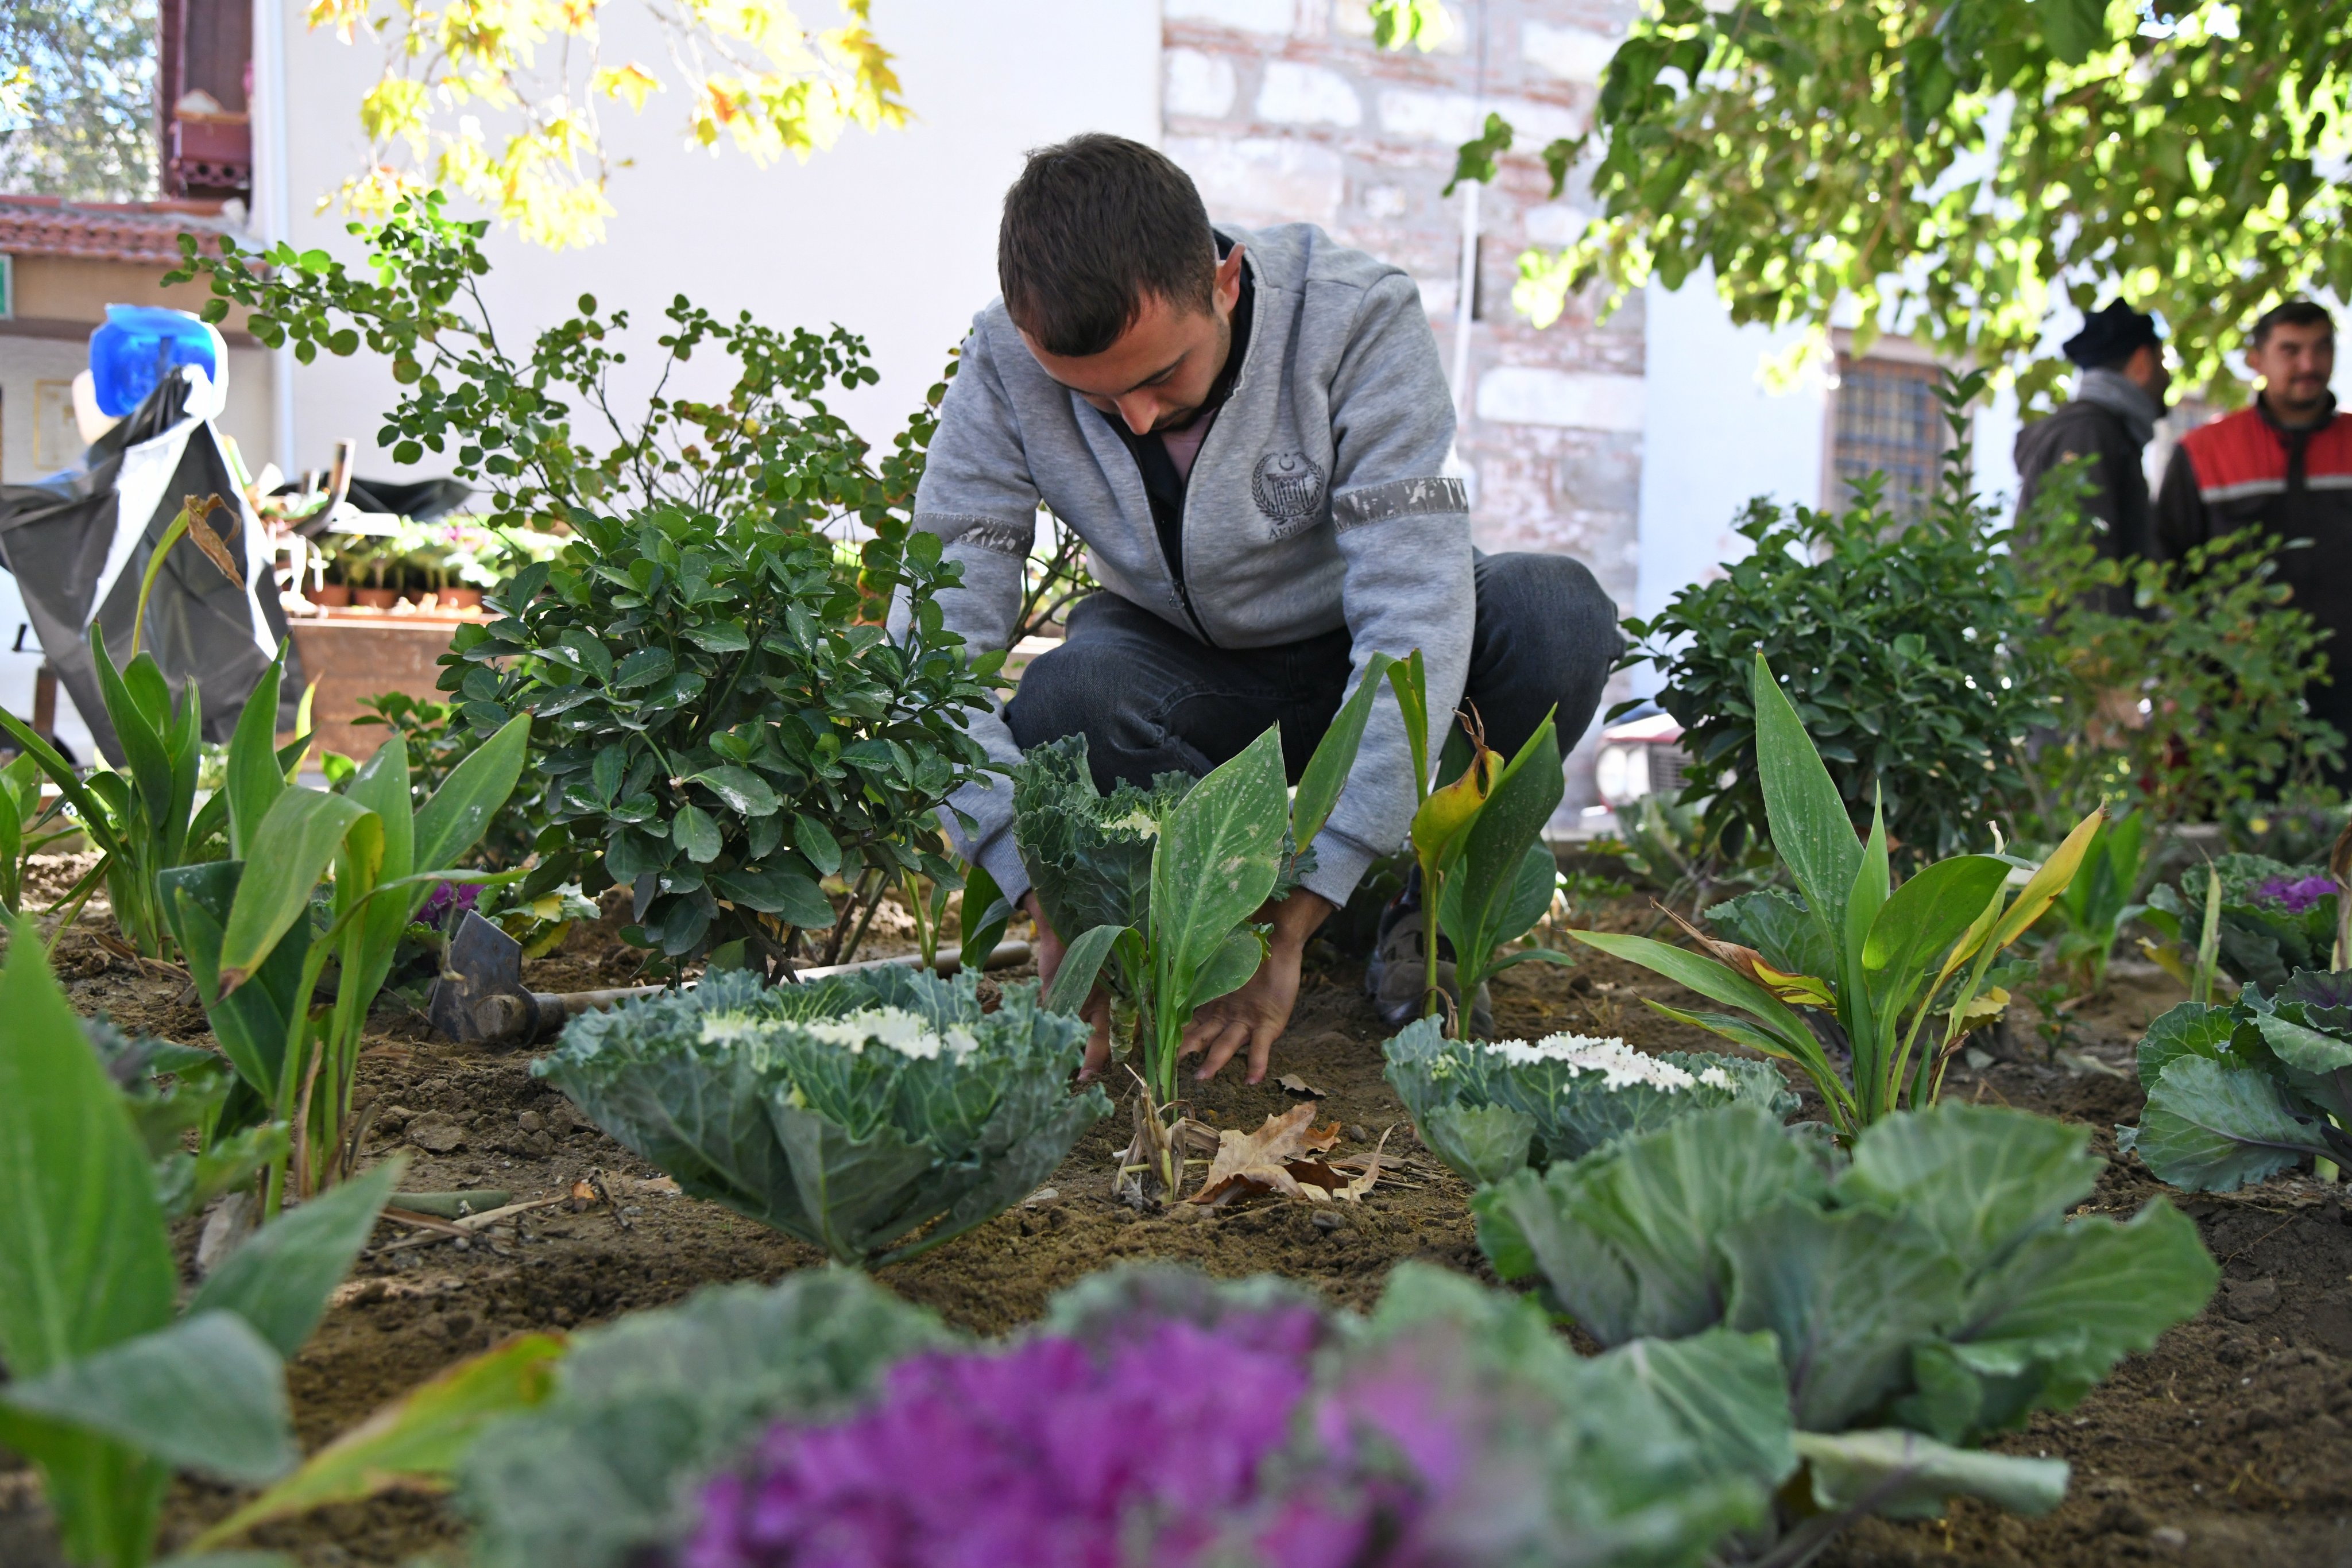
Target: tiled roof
x,y
105,231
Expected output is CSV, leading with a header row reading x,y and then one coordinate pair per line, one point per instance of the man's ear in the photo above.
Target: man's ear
x,y
1228,290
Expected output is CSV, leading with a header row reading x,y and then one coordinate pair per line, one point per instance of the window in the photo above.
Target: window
x,y
1884,420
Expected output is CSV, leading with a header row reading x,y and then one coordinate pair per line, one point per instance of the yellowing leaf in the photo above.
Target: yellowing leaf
x,y
630,83
413,1442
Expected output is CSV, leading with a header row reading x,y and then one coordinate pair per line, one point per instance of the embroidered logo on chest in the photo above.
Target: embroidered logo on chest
x,y
1289,488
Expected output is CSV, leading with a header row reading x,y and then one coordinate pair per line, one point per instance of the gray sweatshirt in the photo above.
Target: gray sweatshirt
x,y
1316,502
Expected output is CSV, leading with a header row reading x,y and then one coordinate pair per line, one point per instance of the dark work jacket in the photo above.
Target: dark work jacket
x,y
2247,470
2118,494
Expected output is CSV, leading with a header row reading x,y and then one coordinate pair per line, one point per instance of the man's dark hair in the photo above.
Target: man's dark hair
x,y
2293,313
1092,225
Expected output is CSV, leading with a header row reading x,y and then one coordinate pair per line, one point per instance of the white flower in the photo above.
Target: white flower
x,y
1618,1062
907,1033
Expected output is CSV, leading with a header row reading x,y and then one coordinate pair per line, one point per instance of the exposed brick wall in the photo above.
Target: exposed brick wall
x,y
1285,111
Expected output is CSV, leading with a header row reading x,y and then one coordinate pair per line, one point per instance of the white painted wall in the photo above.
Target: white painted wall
x,y
892,234
1712,437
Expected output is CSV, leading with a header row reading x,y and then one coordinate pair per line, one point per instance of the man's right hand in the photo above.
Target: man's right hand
x,y
1098,1008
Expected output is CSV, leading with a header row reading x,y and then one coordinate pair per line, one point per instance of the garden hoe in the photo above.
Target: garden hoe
x,y
480,999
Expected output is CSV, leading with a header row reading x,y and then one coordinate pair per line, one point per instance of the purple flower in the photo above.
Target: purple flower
x,y
2296,896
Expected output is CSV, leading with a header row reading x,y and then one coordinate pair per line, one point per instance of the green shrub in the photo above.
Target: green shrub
x,y
2177,682
1904,649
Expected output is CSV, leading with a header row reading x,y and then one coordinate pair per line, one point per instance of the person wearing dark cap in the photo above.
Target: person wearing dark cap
x,y
2118,398
2284,466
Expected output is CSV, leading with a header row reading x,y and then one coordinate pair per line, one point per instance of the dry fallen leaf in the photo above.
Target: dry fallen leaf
x,y
1283,1156
1297,1085
214,546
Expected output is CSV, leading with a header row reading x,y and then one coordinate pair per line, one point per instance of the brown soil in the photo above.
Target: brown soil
x,y
2225,1446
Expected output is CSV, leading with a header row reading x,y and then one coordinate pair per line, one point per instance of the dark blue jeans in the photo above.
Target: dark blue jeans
x,y
1152,699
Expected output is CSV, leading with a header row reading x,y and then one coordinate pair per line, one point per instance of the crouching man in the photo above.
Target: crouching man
x,y
1248,429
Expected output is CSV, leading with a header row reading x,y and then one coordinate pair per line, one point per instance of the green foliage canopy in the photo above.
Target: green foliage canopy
x,y
1962,164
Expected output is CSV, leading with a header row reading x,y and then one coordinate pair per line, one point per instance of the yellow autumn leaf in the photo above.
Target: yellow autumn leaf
x,y
630,83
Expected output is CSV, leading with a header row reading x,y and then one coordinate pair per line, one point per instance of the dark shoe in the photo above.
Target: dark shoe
x,y
1399,973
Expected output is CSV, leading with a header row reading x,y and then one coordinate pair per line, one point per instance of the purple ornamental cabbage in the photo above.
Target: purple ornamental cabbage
x,y
1054,1454
2295,895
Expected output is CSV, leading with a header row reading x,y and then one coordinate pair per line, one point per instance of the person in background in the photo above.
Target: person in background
x,y
2118,398
2284,466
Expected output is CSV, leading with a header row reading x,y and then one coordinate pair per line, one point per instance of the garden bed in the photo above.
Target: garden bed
x,y
2227,1445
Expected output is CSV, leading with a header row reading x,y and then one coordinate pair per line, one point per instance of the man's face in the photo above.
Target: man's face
x,y
1156,374
2148,368
2295,362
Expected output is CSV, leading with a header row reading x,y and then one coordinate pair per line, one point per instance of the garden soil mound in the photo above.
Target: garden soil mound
x,y
2227,1446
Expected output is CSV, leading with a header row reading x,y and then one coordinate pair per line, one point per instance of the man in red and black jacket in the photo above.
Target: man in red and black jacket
x,y
2285,465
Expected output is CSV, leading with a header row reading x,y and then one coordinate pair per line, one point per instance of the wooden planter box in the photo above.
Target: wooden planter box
x,y
355,656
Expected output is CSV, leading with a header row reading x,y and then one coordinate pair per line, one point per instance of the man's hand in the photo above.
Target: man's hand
x,y
1049,962
1255,1015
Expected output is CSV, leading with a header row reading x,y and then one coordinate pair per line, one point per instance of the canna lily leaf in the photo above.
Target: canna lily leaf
x,y
298,837
1327,770
2051,878
415,1443
1811,827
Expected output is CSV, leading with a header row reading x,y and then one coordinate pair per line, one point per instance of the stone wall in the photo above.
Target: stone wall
x,y
1285,111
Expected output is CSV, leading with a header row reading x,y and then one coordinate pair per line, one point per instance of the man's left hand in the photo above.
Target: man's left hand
x,y
1256,1015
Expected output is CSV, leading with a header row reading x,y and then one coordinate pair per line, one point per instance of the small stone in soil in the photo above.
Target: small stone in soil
x,y
529,1122
1326,1220
436,1133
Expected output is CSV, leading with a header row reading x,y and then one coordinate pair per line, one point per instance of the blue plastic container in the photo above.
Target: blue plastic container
x,y
141,344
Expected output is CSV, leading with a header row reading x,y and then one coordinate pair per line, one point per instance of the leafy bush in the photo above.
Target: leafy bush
x,y
2177,682
2237,1094
1851,960
1493,1109
1925,1294
112,1385
721,731
1453,1428
1905,650
2277,919
851,1112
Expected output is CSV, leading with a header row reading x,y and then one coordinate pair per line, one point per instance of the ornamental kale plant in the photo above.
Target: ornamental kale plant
x,y
2277,919
601,1473
1451,1429
113,1385
1851,962
2240,1092
1905,647
874,1114
1489,1110
1925,1294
